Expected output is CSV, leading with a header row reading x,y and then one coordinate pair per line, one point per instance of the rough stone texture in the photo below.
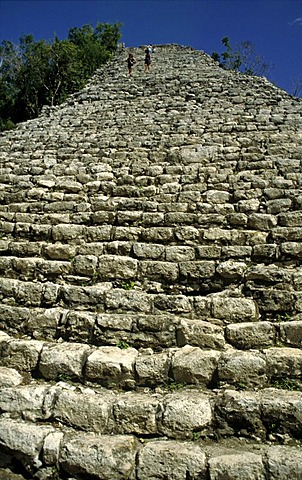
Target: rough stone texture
x,y
151,279
171,460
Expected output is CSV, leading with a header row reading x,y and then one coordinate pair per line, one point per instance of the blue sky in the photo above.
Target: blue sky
x,y
273,26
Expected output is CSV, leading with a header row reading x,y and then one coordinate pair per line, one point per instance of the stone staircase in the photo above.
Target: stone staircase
x,y
151,279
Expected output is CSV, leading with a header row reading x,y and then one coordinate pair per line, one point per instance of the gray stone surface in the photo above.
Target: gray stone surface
x,y
150,278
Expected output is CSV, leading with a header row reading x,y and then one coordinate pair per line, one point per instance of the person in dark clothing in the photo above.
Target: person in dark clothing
x,y
147,59
130,62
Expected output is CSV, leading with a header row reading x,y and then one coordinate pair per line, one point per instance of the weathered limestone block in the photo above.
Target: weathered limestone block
x,y
265,252
13,318
43,323
147,250
176,218
163,326
282,411
53,268
200,269
28,401
83,296
248,206
86,410
184,414
194,365
24,440
92,248
179,253
120,300
290,219
236,466
63,359
284,462
278,205
6,227
273,301
291,333
187,235
269,273
112,267
233,310
128,218
208,251
114,322
51,448
126,234
161,271
50,294
136,414
262,221
291,249
23,355
85,264
283,362
8,287
238,251
152,369
246,369
239,413
171,460
177,304
78,326
9,377
255,237
251,335
98,234
112,366
29,293
104,457
217,196
199,334
68,233
231,269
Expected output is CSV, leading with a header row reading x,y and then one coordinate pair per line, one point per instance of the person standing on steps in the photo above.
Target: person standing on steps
x,y
147,58
130,62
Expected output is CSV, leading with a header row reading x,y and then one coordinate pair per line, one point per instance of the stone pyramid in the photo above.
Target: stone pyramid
x,y
151,279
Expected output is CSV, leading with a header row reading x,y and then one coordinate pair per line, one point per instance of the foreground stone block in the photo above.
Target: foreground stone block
x,y
112,366
9,377
152,369
63,359
284,463
23,355
251,335
25,441
104,457
136,414
193,365
234,310
171,460
237,466
87,411
200,334
241,368
184,414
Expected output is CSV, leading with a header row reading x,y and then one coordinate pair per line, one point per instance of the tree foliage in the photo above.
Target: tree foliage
x,y
241,58
36,73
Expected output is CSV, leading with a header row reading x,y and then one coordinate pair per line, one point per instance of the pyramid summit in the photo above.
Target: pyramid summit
x,y
150,278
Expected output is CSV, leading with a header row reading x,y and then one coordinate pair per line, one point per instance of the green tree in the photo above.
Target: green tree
x,y
33,74
242,58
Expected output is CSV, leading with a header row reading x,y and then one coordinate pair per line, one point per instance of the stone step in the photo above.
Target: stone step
x,y
54,451
127,367
174,411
